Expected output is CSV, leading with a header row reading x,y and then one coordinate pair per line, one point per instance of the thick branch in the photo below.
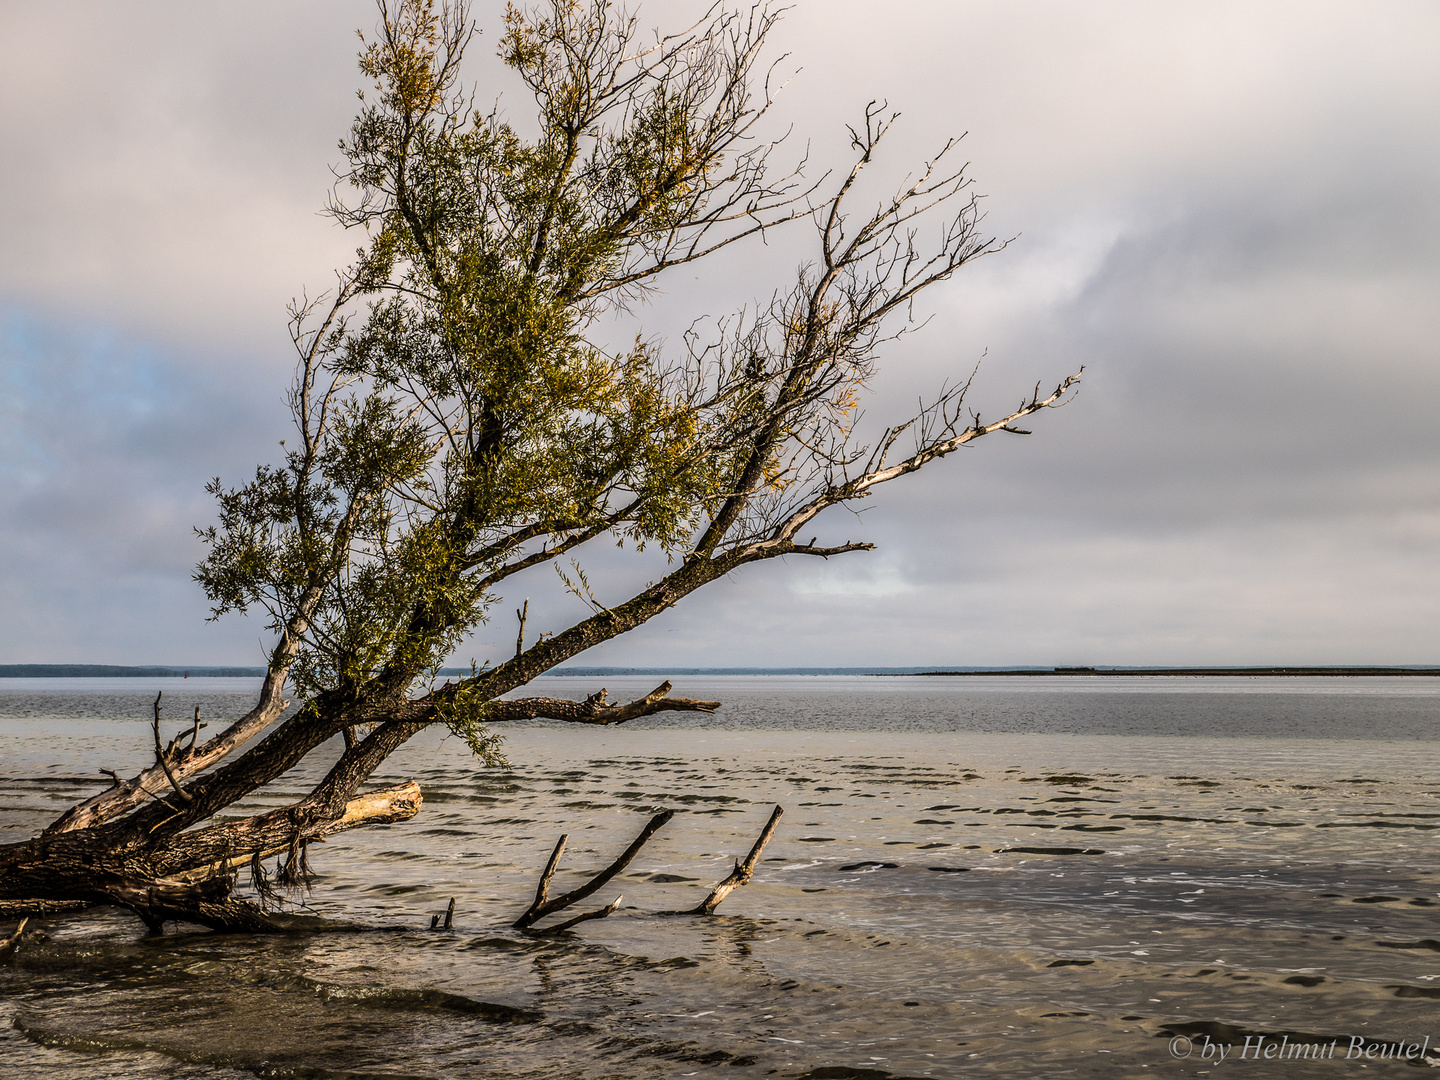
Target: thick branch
x,y
594,709
207,852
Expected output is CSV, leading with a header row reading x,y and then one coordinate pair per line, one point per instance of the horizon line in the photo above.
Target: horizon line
x,y
113,671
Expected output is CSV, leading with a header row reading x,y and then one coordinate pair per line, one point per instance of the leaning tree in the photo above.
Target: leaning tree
x,y
462,417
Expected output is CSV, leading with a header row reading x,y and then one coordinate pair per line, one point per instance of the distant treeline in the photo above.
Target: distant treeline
x,y
115,671
604,671
1194,671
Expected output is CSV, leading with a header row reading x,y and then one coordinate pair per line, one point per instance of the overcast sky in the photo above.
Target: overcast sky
x,y
1228,212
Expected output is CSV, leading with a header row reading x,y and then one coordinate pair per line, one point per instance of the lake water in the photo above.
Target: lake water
x,y
1058,877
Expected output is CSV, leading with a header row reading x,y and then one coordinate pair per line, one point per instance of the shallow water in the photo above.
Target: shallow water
x,y
1054,877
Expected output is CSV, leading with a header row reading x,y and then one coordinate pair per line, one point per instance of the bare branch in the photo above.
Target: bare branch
x,y
162,757
539,909
595,709
600,913
780,541
743,871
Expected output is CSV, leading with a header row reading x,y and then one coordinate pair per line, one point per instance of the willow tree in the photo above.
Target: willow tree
x,y
460,419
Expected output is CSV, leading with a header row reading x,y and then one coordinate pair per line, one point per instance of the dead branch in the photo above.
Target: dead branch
x,y
595,709
542,890
195,730
521,613
543,907
598,913
11,908
743,871
162,757
210,852
9,943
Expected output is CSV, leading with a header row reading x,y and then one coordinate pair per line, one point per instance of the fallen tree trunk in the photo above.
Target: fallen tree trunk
x,y
152,843
190,878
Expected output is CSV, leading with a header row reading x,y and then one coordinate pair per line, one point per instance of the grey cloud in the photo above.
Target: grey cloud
x,y
1226,211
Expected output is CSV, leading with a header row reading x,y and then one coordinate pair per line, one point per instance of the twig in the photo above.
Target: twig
x,y
160,756
521,613
450,913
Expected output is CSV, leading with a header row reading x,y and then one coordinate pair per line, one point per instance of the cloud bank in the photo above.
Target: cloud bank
x,y
1226,212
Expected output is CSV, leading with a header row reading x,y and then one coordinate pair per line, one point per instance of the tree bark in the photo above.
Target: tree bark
x,y
188,879
595,709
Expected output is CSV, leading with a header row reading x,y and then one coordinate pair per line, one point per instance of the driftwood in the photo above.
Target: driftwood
x,y
743,871
543,905
11,908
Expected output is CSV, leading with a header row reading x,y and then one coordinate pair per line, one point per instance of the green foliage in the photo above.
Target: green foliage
x,y
460,418
468,412
463,712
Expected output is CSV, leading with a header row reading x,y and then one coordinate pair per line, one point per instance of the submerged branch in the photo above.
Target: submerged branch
x,y
743,871
542,907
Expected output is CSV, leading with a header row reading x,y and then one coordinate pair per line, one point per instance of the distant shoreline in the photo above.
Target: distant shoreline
x,y
1209,671
116,671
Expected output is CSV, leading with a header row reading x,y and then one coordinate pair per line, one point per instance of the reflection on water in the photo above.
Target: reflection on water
x,y
955,890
